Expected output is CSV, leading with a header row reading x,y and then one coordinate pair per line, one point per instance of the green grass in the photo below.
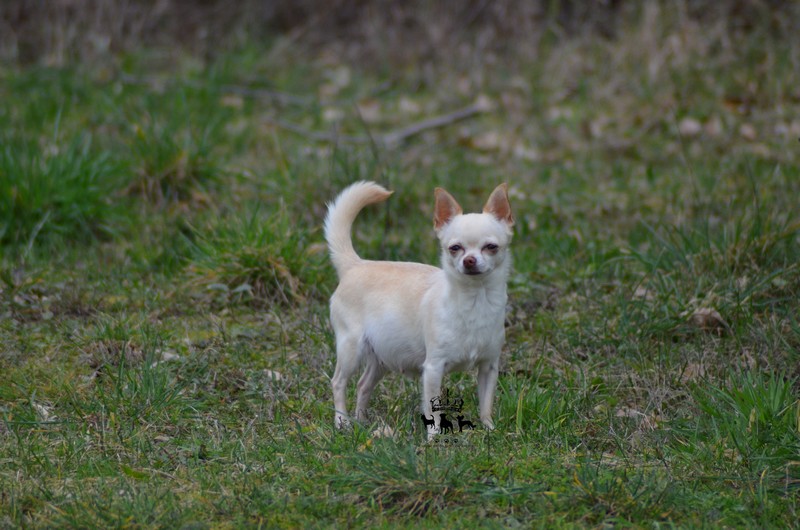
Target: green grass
x,y
61,188
263,259
165,348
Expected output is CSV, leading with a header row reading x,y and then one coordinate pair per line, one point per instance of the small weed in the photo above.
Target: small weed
x,y
63,190
256,259
173,165
622,495
398,480
755,416
534,409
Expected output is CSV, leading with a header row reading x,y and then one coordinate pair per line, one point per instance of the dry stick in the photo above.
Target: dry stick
x,y
389,139
393,138
396,137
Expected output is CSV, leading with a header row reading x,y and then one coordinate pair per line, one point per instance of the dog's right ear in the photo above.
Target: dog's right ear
x,y
445,209
498,205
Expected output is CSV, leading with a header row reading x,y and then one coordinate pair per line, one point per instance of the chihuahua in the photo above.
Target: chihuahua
x,y
419,319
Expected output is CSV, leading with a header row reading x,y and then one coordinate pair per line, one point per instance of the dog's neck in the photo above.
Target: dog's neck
x,y
469,289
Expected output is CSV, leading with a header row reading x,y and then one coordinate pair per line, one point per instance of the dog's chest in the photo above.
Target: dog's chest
x,y
472,332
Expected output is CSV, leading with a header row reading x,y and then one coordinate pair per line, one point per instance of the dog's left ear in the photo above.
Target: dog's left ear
x,y
498,205
445,208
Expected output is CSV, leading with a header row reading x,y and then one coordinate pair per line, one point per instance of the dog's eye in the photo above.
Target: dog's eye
x,y
454,249
491,247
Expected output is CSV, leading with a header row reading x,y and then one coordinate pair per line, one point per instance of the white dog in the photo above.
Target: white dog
x,y
419,319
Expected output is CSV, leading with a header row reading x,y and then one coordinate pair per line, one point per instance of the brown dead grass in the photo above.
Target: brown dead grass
x,y
378,33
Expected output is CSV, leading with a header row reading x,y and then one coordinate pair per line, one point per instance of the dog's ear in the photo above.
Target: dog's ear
x,y
445,209
498,205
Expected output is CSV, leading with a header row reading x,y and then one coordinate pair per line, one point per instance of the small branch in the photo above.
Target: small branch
x,y
397,137
388,140
393,138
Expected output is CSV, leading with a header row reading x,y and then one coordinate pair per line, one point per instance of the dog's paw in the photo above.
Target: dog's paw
x,y
342,423
432,433
488,423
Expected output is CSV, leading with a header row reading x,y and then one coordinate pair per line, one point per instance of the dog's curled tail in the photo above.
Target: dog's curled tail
x,y
339,221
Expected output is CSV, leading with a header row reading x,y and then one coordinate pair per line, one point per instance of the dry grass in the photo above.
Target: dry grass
x,y
174,370
377,32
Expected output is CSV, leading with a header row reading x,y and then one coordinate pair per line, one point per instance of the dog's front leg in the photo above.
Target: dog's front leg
x,y
487,382
432,374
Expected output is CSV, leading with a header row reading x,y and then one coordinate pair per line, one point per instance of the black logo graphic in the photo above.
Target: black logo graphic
x,y
445,404
445,425
449,408
464,423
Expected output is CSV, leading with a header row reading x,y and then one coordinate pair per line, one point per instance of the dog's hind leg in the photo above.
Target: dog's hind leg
x,y
347,360
373,373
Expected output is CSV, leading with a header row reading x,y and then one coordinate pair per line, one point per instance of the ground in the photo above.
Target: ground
x,y
165,348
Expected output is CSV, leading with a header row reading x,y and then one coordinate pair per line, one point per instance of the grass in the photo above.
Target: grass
x,y
58,189
165,347
255,258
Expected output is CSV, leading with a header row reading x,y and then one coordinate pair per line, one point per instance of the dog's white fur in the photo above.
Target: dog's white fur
x,y
419,319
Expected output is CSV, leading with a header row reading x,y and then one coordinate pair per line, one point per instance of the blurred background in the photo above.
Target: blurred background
x,y
59,32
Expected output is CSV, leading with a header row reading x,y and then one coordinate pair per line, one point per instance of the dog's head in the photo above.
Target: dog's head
x,y
474,245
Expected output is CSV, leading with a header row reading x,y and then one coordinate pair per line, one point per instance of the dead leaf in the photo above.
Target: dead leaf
x,y
627,412
647,422
643,293
488,141
748,132
693,372
166,356
233,101
408,106
748,360
709,320
484,103
523,152
690,127
332,114
42,412
370,110
713,127
338,78
273,375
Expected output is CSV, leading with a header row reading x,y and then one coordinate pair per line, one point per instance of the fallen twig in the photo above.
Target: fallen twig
x,y
396,137
390,139
393,138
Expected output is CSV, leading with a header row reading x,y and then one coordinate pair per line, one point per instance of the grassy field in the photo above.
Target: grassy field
x,y
165,350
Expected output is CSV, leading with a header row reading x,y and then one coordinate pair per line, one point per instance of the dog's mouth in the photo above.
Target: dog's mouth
x,y
473,272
